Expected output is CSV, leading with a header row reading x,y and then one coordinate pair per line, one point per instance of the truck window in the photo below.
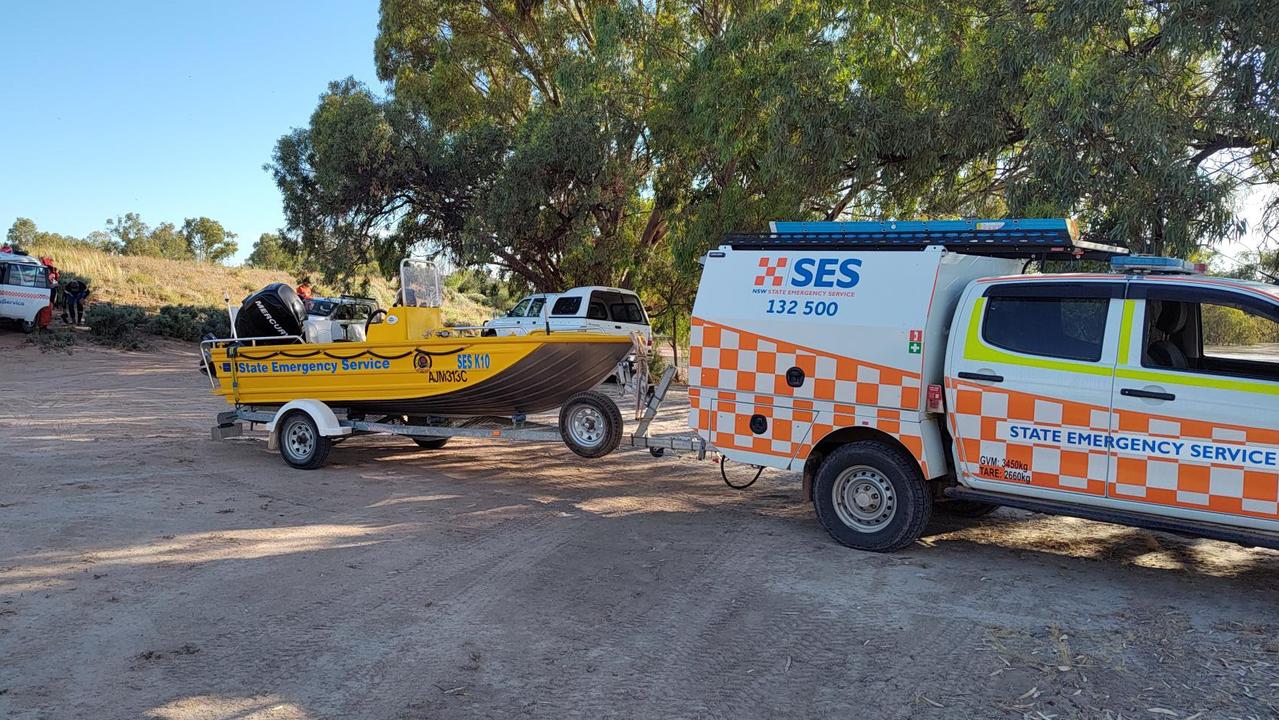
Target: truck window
x,y
567,306
518,310
596,311
535,307
24,276
628,311
1211,332
1060,327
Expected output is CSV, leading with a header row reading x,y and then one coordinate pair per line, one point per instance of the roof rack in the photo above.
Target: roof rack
x,y
1023,238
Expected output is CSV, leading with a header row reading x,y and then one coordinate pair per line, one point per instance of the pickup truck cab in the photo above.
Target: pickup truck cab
x,y
612,311
904,366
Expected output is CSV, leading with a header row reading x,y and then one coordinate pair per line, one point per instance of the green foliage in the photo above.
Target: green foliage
x,y
120,326
573,142
199,238
22,233
483,287
1228,327
272,253
190,322
207,240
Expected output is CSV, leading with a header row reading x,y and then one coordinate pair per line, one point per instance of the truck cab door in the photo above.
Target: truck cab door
x,y
1196,403
1028,382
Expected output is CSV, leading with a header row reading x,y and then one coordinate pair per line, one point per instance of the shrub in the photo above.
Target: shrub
x,y
190,322
60,340
121,326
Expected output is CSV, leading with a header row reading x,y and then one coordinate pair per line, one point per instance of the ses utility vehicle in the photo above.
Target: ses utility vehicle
x,y
905,364
24,290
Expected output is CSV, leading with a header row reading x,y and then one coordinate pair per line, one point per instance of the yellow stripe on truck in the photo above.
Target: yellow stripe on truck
x,y
976,349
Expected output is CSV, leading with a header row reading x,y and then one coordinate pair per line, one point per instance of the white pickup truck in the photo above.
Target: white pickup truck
x,y
911,364
613,311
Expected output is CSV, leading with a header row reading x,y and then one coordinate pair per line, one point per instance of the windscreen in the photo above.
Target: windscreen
x,y
420,284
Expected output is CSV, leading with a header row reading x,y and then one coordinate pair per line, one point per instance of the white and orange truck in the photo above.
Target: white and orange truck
x,y
904,366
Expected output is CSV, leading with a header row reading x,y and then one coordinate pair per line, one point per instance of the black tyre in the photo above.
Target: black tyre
x,y
591,424
301,444
966,508
27,327
870,495
431,443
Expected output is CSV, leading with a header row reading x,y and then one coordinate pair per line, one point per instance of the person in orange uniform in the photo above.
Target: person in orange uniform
x,y
304,290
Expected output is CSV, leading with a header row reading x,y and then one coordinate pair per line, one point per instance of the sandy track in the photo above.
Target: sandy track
x,y
146,571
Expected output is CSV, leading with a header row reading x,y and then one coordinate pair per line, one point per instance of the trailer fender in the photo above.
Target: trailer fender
x,y
325,421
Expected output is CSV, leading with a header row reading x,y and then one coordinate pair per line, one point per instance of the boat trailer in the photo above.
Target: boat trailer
x,y
590,424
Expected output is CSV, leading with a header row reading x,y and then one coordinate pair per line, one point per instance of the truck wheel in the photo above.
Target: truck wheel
x,y
591,424
871,496
431,443
301,444
967,508
27,327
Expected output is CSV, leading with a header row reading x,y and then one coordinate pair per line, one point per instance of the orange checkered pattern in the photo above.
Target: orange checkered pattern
x,y
1218,487
978,413
771,277
734,374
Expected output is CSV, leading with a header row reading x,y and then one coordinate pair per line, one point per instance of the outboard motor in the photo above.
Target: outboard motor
x,y
274,310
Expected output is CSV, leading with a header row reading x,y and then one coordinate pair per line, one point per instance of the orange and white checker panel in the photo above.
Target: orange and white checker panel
x,y
981,417
734,374
1237,489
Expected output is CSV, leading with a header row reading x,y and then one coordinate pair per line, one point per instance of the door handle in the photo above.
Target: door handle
x,y
1151,394
984,377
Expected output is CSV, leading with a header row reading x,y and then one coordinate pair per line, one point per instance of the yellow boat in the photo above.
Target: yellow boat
x,y
412,364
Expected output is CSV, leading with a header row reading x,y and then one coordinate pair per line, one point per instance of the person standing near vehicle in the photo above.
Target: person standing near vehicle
x,y
76,292
304,290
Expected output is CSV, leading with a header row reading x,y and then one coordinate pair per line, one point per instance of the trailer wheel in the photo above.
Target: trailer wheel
x,y
591,424
967,508
301,444
871,496
431,443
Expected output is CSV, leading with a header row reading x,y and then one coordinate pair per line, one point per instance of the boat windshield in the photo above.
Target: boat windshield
x,y
420,284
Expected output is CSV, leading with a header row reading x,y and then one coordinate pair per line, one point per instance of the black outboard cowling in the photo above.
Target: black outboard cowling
x,y
274,310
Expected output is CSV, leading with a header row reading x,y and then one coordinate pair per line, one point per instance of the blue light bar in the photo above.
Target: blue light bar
x,y
1156,264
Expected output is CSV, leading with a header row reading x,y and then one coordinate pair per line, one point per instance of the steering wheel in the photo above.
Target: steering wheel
x,y
369,321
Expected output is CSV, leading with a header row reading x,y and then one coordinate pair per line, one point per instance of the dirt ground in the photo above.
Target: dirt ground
x,y
148,572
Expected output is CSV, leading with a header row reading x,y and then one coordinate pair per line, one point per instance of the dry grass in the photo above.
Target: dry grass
x,y
154,282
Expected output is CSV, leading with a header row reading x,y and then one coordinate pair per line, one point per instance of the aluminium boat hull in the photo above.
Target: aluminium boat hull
x,y
445,377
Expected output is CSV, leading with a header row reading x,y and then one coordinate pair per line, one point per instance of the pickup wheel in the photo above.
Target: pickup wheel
x,y
870,495
301,444
591,424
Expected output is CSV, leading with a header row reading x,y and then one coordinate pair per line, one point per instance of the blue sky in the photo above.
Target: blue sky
x,y
165,109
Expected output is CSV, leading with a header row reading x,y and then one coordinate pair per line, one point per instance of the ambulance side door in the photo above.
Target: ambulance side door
x,y
1029,383
1196,404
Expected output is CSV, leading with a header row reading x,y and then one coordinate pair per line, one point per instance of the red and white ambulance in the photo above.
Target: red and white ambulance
x,y
903,365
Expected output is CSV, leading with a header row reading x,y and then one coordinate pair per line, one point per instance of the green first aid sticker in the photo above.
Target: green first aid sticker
x,y
915,347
